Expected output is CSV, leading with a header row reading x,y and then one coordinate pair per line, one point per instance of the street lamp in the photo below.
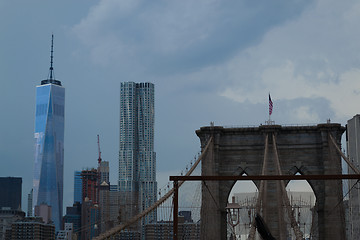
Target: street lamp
x,y
233,213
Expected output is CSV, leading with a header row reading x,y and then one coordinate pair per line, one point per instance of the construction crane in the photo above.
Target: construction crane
x,y
99,159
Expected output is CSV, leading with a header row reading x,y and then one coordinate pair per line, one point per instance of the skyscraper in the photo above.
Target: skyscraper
x,y
90,181
10,189
353,150
30,203
137,159
49,145
103,170
77,187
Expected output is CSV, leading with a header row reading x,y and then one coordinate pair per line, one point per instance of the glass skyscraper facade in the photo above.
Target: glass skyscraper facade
x,y
49,149
137,159
49,146
77,187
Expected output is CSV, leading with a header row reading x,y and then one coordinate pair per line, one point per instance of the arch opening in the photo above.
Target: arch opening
x,y
243,195
303,201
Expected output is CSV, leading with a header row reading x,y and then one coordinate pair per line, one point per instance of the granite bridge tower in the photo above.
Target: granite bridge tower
x,y
286,150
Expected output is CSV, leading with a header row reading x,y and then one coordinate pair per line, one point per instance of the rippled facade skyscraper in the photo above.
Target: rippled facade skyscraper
x,y
137,159
49,146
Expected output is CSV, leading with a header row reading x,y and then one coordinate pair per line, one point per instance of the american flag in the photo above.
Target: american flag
x,y
270,105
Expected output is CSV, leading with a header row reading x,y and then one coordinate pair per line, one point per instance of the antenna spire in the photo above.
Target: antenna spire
x,y
51,76
52,57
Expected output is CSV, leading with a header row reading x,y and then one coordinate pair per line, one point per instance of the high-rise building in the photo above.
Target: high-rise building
x,y
137,159
114,207
73,216
90,179
353,150
30,203
77,187
103,170
49,145
89,219
10,189
104,205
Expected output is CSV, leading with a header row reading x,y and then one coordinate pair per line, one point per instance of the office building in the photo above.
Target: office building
x,y
104,205
77,187
113,188
347,219
353,150
43,211
73,216
137,159
67,233
164,229
90,189
89,219
49,145
32,228
7,218
30,203
103,170
10,189
115,207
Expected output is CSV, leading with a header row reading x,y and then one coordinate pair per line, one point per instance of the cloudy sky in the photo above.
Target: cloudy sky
x,y
210,60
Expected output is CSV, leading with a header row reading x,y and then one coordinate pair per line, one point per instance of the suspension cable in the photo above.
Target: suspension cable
x,y
121,227
353,167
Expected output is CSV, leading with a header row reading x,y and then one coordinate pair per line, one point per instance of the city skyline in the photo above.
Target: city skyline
x,y
210,61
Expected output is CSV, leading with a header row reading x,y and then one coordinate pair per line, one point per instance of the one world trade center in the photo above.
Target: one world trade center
x,y
49,145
